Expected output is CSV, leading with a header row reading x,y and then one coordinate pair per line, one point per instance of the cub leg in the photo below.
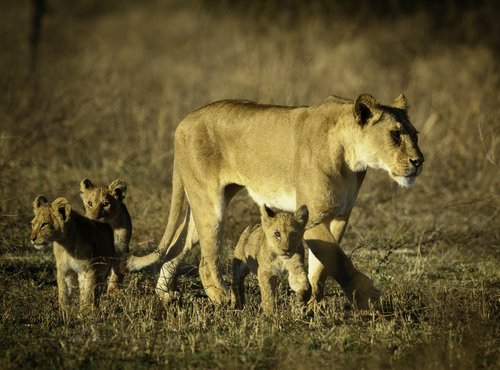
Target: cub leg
x,y
267,284
297,278
240,271
66,286
87,283
116,277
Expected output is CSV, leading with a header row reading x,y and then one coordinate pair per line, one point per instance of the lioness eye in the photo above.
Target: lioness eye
x,y
277,234
89,203
396,136
105,203
45,224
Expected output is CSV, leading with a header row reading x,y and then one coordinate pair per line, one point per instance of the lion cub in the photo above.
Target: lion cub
x,y
105,203
83,249
266,249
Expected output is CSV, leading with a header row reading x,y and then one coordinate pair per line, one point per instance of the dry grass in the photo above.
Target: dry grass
x,y
112,82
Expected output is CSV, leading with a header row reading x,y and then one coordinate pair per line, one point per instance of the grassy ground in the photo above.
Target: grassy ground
x,y
111,83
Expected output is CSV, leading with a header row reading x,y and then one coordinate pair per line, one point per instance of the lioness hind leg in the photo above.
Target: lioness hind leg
x,y
208,218
166,287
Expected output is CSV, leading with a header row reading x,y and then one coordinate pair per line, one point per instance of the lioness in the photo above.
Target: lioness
x,y
283,156
105,203
83,249
274,246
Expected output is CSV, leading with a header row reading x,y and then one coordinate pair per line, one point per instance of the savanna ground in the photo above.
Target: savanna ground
x,y
111,81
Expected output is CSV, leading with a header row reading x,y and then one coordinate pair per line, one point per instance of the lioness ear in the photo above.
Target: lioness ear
x,y
39,201
302,215
401,102
118,189
62,208
363,108
266,212
85,185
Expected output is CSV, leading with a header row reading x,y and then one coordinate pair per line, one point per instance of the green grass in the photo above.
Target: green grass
x,y
113,81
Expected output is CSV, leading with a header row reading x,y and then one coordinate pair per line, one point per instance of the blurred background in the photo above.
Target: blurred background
x,y
95,88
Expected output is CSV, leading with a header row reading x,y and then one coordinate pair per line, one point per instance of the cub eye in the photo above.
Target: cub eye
x,y
105,203
89,204
396,136
277,235
44,225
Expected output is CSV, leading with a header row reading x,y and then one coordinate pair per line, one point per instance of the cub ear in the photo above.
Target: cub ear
x,y
266,212
39,201
302,215
401,102
62,208
364,106
85,185
118,189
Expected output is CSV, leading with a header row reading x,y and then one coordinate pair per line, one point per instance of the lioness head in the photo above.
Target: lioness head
x,y
388,140
102,202
50,219
284,230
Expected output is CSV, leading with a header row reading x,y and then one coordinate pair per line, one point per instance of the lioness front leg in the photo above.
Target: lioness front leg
x,y
326,257
360,289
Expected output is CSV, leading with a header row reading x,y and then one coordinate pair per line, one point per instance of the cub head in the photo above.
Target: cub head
x,y
102,202
387,140
284,230
50,220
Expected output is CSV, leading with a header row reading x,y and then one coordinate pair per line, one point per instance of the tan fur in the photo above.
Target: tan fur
x,y
268,249
283,156
83,248
105,203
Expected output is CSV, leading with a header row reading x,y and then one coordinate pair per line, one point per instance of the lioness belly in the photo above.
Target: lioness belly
x,y
284,200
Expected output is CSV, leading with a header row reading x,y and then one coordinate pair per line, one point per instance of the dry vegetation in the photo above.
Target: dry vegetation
x,y
112,81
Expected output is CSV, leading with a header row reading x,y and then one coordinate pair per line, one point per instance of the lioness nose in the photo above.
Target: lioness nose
x,y
417,162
